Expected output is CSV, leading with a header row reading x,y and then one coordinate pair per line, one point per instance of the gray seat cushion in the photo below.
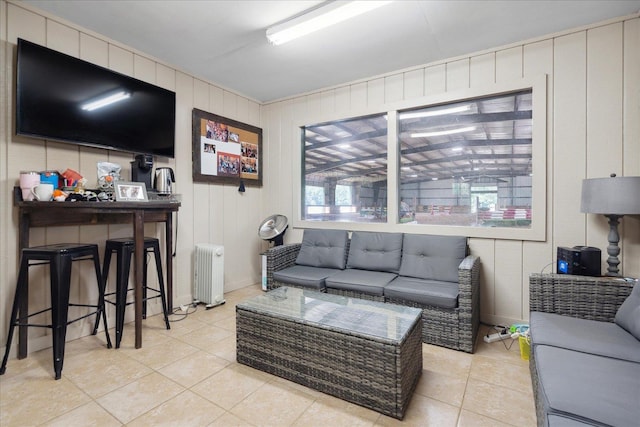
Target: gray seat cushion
x,y
432,257
429,292
364,281
628,315
323,248
375,251
302,275
588,336
596,389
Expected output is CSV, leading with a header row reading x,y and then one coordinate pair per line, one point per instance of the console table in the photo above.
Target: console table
x,y
44,214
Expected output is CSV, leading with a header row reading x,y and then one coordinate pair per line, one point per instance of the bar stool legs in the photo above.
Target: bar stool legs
x,y
59,257
124,249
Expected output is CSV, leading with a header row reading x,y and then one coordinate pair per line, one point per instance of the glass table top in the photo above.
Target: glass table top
x,y
375,319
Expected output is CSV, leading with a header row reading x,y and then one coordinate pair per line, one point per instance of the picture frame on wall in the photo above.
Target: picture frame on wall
x,y
130,191
225,151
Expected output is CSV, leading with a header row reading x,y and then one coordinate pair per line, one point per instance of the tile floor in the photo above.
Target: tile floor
x,y
188,376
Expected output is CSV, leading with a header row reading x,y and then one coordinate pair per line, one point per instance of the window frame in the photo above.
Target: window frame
x,y
537,230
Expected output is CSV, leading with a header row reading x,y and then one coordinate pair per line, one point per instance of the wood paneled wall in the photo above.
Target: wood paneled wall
x,y
593,129
209,214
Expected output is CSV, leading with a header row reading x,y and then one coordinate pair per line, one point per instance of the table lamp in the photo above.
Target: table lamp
x,y
613,197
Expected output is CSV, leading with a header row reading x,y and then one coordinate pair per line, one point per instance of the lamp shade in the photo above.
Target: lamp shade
x,y
613,196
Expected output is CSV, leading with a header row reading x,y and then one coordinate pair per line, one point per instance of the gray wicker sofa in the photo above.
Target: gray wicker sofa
x,y
433,273
585,350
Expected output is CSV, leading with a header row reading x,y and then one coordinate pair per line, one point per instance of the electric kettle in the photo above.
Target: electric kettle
x,y
163,179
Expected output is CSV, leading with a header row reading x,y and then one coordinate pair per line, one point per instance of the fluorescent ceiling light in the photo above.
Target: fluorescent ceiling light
x,y
106,100
319,18
443,132
444,111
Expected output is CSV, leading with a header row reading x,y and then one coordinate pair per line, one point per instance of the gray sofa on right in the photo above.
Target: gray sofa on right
x,y
585,350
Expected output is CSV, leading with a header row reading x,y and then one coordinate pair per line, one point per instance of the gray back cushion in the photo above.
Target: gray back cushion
x,y
628,315
323,248
432,257
375,251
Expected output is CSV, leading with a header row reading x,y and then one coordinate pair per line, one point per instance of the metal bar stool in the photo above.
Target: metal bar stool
x,y
124,249
59,257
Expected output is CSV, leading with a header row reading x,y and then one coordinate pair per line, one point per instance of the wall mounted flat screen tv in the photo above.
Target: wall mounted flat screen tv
x,y
62,98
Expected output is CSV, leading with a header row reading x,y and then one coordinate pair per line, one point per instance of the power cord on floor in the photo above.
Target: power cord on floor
x,y
183,311
501,330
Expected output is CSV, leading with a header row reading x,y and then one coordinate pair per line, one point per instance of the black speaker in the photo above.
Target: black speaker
x,y
579,261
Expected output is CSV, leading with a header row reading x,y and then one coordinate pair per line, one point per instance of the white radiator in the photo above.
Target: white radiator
x,y
208,275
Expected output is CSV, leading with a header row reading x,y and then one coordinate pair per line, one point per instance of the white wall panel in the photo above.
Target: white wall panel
x,y
569,139
631,141
509,64
375,92
604,117
458,75
414,84
539,256
393,88
435,79
482,70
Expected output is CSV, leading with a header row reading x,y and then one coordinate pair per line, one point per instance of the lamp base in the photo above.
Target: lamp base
x,y
613,250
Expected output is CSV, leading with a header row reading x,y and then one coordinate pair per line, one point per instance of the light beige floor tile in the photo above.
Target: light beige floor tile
x,y
446,361
151,336
184,410
90,414
39,360
230,420
157,356
504,404
140,396
182,325
225,349
505,374
34,397
423,411
445,388
228,323
273,404
206,338
101,371
215,314
470,419
231,385
194,368
331,411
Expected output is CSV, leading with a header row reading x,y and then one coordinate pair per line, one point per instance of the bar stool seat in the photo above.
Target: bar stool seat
x,y
59,257
124,249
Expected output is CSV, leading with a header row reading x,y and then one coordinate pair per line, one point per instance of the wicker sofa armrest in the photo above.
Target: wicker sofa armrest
x,y
593,298
469,280
279,258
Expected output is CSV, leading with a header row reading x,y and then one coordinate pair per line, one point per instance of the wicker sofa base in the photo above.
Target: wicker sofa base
x,y
377,375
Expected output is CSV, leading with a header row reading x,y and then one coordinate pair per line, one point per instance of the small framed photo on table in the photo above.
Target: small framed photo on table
x,y
130,191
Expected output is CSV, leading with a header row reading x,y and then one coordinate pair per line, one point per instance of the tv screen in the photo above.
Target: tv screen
x,y
62,98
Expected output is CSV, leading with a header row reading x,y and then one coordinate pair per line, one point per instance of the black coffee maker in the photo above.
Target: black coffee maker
x,y
141,169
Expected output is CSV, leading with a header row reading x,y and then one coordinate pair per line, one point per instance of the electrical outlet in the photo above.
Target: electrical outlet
x,y
497,337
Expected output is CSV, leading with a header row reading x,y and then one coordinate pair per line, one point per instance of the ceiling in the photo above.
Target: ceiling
x,y
224,41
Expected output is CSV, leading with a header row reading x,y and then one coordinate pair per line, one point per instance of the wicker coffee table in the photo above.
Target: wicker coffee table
x,y
366,352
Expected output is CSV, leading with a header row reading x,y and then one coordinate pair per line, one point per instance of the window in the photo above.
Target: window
x,y
470,164
467,163
344,168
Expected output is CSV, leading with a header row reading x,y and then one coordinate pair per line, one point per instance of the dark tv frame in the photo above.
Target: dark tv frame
x,y
90,135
